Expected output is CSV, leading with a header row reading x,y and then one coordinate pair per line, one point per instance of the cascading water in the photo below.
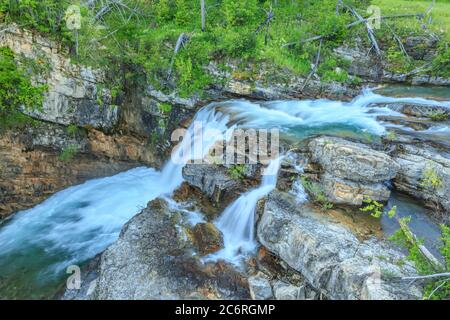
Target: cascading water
x,y
237,222
74,225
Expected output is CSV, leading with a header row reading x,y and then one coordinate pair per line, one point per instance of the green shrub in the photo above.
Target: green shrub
x,y
373,207
435,288
239,13
431,178
237,172
16,91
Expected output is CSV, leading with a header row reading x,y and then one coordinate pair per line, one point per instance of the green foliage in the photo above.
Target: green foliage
x,y
72,129
239,13
438,115
68,153
316,192
373,207
165,107
391,136
441,63
437,288
431,178
16,91
237,172
43,15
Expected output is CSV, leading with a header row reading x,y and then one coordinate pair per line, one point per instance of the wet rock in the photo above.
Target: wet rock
x,y
152,259
415,110
285,291
342,191
330,257
352,170
260,288
416,163
352,161
212,180
207,238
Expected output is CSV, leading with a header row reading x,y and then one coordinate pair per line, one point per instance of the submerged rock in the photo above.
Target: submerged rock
x,y
330,257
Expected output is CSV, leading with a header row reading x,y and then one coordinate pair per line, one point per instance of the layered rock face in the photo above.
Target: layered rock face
x,y
424,174
32,169
352,170
31,165
74,95
329,255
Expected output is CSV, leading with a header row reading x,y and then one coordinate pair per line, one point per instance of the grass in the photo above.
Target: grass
x,y
440,14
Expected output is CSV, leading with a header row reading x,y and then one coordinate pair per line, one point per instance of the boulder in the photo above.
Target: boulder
x,y
212,180
352,161
352,170
73,95
286,291
207,238
342,191
152,259
260,288
415,162
330,257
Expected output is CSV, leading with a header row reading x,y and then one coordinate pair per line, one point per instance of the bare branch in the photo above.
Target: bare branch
x,y
350,25
316,63
429,276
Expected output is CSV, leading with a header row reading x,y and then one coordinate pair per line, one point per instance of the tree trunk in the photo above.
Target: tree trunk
x,y
202,5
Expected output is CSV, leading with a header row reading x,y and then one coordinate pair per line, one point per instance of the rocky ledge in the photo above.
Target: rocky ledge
x,y
155,258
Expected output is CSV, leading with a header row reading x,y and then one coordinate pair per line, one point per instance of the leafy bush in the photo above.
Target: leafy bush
x,y
435,288
237,172
239,13
16,91
430,177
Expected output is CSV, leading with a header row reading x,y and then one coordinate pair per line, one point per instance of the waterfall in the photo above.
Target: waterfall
x,y
75,224
237,222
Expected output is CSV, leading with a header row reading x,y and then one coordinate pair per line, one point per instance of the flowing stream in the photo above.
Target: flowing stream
x,y
74,225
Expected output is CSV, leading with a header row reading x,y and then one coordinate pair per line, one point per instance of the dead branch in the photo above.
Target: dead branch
x,y
314,68
266,24
351,25
182,39
429,276
411,237
370,31
203,13
399,42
